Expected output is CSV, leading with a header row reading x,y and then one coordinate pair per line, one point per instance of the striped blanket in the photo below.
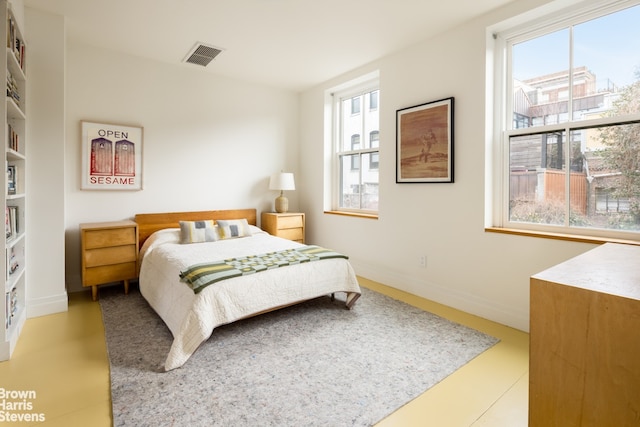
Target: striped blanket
x,y
201,275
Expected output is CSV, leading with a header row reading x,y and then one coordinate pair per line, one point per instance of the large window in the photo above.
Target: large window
x,y
355,142
570,137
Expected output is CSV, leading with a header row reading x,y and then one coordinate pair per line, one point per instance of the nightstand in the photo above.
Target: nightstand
x,y
288,225
109,253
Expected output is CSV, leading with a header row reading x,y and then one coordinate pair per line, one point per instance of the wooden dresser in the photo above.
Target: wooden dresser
x,y
584,365
109,253
288,225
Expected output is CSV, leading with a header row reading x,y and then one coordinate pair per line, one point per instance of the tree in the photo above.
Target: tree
x,y
622,148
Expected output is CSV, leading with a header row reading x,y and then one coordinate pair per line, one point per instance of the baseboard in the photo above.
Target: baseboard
x,y
470,303
37,307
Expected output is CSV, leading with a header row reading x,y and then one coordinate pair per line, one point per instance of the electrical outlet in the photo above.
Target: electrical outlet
x,y
422,261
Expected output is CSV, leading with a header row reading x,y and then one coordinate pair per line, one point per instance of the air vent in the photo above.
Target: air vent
x,y
201,54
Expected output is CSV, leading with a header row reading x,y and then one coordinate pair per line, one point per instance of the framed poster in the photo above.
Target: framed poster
x,y
111,157
424,142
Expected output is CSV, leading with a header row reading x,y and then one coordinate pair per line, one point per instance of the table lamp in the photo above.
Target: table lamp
x,y
282,181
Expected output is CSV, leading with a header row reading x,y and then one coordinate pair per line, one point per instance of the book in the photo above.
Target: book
x,y
11,179
7,223
13,140
12,227
13,262
13,220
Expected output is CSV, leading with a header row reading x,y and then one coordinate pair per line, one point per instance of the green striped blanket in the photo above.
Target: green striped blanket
x,y
199,276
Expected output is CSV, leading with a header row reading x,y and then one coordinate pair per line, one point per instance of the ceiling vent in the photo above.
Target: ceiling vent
x,y
201,54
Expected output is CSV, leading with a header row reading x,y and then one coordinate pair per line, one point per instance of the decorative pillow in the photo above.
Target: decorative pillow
x,y
197,231
233,228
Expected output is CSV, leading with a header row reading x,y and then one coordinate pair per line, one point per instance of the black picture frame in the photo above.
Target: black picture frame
x,y
425,142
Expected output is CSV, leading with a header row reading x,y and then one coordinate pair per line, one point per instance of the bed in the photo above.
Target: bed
x,y
175,248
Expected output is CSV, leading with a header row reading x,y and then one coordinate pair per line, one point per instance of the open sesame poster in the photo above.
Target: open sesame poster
x,y
111,157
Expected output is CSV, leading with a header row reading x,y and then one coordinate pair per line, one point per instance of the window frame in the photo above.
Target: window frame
x,y
360,87
500,39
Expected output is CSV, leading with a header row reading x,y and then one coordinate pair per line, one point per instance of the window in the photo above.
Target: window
x,y
570,136
355,145
355,142
373,101
355,105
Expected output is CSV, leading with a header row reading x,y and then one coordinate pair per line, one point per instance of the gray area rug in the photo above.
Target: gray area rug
x,y
313,364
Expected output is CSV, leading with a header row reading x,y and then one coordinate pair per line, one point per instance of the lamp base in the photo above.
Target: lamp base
x,y
282,204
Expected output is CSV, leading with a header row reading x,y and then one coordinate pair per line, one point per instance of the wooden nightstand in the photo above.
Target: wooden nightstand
x,y
286,225
109,253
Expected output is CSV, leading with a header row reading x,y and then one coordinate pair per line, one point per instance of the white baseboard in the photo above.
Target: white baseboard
x,y
37,307
470,303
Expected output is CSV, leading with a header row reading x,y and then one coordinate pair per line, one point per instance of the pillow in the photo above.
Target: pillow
x,y
233,228
197,231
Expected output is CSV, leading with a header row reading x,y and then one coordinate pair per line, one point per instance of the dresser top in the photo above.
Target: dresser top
x,y
611,268
110,224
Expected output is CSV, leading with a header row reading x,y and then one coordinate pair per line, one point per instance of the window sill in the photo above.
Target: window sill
x,y
352,214
560,236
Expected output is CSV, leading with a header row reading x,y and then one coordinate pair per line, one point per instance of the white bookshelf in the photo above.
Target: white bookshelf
x,y
13,303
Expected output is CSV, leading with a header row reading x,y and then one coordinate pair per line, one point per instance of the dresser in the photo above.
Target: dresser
x,y
109,253
584,363
289,225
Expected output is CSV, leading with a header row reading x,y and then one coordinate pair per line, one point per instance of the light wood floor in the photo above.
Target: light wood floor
x,y
62,358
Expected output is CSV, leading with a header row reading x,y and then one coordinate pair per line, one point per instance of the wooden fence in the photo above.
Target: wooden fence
x,y
523,186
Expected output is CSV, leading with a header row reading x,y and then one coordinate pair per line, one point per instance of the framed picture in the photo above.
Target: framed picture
x,y
111,157
424,142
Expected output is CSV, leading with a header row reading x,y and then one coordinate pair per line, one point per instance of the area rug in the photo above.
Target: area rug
x,y
313,364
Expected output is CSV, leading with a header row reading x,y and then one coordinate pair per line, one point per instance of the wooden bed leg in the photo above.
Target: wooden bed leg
x,y
126,287
94,292
352,297
333,296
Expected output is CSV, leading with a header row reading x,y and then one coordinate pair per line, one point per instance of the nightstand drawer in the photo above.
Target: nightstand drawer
x,y
108,256
109,237
109,273
292,234
294,221
286,225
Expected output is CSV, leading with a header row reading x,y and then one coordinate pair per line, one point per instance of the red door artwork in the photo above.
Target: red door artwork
x,y
111,157
101,157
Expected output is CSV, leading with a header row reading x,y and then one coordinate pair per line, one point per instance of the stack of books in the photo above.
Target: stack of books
x,y
12,88
11,222
11,306
13,140
14,42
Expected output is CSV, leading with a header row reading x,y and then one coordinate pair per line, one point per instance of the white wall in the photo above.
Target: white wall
x,y
209,142
45,58
483,273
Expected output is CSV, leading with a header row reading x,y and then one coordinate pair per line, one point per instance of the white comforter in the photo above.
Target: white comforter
x,y
192,317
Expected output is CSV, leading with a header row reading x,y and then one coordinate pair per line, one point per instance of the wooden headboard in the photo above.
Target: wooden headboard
x,y
152,222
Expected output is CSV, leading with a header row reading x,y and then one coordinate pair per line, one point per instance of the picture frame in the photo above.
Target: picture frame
x,y
111,156
424,142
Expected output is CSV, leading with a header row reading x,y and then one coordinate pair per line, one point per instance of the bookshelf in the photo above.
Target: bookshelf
x,y
13,309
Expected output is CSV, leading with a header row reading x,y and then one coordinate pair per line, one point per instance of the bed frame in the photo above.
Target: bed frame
x,y
149,223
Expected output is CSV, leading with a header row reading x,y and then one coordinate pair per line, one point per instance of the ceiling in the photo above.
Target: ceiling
x,y
291,44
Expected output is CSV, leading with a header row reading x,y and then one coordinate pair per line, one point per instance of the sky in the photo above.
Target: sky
x,y
609,46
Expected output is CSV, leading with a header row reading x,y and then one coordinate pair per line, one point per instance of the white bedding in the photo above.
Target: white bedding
x,y
192,317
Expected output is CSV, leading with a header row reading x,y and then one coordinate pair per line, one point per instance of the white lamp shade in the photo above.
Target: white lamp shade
x,y
282,181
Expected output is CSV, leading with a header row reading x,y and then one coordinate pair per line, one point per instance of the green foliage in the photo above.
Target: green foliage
x,y
622,148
